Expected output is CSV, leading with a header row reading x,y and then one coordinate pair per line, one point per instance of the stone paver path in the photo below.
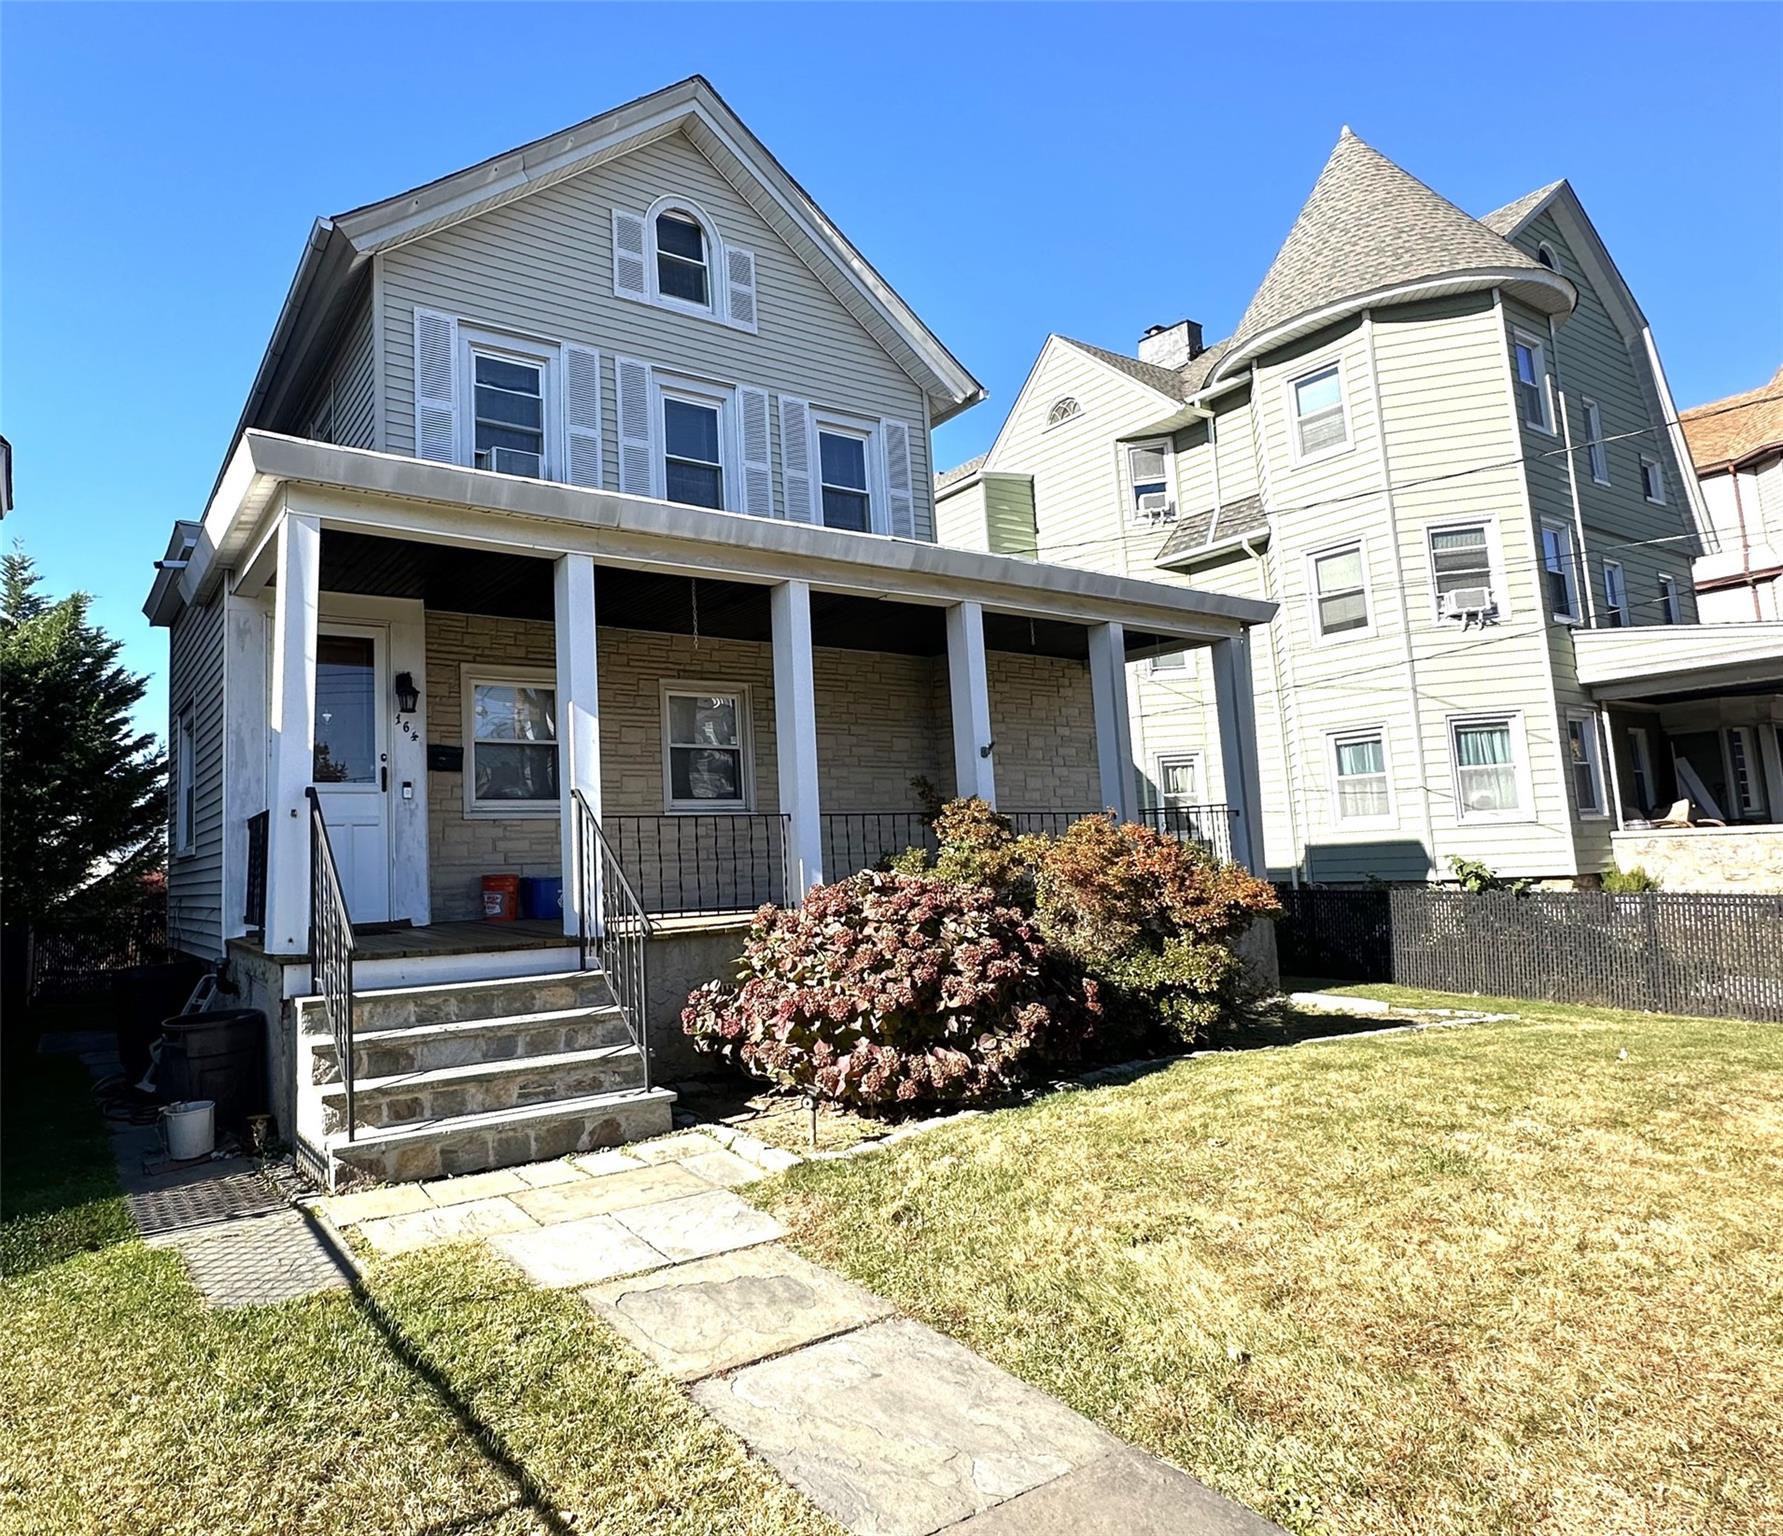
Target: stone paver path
x,y
889,1426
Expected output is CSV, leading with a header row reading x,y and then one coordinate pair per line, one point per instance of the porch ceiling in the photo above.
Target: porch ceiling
x,y
519,587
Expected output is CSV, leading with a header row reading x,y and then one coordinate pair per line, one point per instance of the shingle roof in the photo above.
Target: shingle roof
x,y
1725,431
1165,380
1368,225
959,472
1502,221
1236,518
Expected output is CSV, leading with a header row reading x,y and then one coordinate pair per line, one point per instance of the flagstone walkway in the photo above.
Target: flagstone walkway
x,y
890,1427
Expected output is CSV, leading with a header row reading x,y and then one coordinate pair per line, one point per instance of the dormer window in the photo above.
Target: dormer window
x,y
682,269
1063,410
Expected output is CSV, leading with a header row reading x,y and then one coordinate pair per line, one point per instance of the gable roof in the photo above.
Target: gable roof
x,y
1166,381
1506,221
1725,432
332,272
1369,229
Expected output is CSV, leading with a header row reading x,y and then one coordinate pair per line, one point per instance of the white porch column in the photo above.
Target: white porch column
x,y
293,730
795,734
578,717
1114,728
1238,747
969,687
246,720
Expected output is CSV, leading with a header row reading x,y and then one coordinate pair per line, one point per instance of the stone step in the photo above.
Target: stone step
x,y
448,1093
460,1001
500,1138
425,1047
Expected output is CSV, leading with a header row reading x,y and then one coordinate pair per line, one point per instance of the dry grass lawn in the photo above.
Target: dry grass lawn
x,y
1504,1278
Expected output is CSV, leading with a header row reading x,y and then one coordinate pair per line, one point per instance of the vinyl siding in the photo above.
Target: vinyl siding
x,y
960,519
542,268
348,384
1009,515
195,879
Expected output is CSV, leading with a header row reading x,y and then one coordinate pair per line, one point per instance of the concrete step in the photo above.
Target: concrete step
x,y
460,1001
425,1047
499,1138
447,1093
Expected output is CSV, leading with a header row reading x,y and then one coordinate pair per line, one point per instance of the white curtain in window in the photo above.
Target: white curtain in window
x,y
1486,766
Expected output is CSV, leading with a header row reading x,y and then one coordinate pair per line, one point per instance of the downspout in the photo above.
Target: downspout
x,y
1275,674
1739,512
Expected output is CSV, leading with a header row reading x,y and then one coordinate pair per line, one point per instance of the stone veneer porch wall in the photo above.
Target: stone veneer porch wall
x,y
882,719
1742,860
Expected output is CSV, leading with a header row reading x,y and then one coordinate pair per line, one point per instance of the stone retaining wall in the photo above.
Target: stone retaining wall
x,y
1746,860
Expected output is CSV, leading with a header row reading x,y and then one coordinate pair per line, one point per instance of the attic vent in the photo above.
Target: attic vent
x,y
1063,410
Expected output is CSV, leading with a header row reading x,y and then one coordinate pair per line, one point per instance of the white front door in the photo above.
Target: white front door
x,y
352,761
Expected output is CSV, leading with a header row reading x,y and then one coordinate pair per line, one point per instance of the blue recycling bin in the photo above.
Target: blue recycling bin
x,y
541,896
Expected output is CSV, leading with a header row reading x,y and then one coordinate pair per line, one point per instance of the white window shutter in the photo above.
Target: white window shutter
x,y
628,255
758,473
739,289
899,487
637,428
436,386
582,415
798,484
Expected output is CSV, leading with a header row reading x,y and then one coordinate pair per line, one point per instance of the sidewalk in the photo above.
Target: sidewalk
x,y
888,1426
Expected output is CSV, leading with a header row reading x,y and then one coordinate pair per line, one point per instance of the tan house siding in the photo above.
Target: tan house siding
x,y
542,267
195,879
1043,723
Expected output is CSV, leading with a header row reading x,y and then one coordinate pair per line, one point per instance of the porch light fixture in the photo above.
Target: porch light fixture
x,y
408,696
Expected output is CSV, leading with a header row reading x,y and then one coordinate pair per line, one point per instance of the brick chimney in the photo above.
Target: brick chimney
x,y
1171,346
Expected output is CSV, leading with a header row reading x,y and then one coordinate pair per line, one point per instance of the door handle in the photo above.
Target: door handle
x,y
384,777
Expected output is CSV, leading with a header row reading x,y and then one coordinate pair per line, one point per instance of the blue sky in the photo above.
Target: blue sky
x,y
1013,170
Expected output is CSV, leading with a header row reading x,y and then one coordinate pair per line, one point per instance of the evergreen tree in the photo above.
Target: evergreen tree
x,y
83,795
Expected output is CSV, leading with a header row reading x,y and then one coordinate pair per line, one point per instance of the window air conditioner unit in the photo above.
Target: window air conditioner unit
x,y
1156,506
1467,603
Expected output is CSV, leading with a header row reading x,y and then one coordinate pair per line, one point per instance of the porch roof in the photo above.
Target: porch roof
x,y
396,496
1658,660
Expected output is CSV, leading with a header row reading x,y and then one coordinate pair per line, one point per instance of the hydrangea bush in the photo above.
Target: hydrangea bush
x,y
895,988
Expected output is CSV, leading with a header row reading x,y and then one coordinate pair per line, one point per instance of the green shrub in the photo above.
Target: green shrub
x,y
1629,882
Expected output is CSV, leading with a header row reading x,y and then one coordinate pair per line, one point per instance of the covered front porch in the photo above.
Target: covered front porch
x,y
1693,716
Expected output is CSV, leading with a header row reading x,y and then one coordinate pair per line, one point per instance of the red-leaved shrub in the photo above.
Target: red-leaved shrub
x,y
891,988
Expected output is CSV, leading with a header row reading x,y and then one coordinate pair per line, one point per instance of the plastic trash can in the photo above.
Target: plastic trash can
x,y
501,898
541,896
217,1056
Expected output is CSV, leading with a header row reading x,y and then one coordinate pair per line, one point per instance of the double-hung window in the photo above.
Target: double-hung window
x,y
1340,591
1668,600
508,413
1559,572
1532,384
1360,789
693,450
705,748
1652,480
1597,453
511,740
1615,594
683,265
1488,776
1585,761
1169,661
185,790
1148,469
842,461
1461,570
1742,771
1320,426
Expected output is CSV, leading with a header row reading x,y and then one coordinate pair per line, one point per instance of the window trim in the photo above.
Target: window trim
x,y
1669,604
670,687
470,674
1512,721
1593,741
547,356
1290,385
1552,261
1197,765
714,309
1575,613
1749,805
185,775
1522,338
1501,607
1336,738
1653,461
1167,447
704,392
839,424
1616,600
1597,451
1313,556
1640,768
1074,414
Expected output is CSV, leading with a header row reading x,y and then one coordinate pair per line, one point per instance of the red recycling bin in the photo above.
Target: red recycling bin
x,y
501,898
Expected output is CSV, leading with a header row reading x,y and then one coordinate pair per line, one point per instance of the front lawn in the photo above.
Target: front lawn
x,y
455,1398
1500,1278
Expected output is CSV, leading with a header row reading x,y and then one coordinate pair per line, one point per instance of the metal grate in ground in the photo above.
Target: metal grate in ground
x,y
203,1200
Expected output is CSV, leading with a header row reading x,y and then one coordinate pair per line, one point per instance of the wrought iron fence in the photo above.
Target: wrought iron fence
x,y
857,840
331,948
701,865
613,926
1660,951
255,914
1208,825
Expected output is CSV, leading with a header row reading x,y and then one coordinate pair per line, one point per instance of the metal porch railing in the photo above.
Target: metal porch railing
x,y
612,927
331,947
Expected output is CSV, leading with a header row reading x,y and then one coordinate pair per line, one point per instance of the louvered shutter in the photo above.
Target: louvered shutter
x,y
796,481
582,415
758,474
436,386
739,295
628,255
899,487
637,435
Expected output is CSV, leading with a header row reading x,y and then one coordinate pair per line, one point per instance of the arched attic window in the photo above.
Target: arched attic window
x,y
1544,253
683,250
1063,409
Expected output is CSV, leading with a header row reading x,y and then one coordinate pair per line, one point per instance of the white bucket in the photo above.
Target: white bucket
x,y
189,1129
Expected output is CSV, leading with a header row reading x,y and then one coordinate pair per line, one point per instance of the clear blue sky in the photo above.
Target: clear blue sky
x,y
1013,170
